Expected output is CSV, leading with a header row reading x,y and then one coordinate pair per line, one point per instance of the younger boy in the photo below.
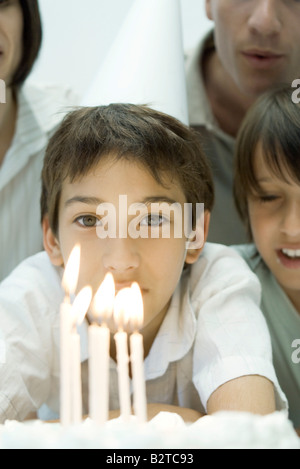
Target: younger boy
x,y
267,192
207,346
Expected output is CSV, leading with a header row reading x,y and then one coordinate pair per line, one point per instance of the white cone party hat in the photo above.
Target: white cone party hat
x,y
145,64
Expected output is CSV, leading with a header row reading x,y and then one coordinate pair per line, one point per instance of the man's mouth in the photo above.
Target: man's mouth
x,y
262,58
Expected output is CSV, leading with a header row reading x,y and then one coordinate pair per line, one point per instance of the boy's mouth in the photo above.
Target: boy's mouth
x,y
121,286
289,258
291,253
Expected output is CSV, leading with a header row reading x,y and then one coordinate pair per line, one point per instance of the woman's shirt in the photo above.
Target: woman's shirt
x,y
40,110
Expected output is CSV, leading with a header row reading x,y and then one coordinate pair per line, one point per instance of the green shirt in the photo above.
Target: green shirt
x,y
284,325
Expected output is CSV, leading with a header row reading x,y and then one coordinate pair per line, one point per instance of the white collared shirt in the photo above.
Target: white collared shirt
x,y
213,332
39,112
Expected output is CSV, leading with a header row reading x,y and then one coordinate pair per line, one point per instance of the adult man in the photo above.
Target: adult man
x,y
254,46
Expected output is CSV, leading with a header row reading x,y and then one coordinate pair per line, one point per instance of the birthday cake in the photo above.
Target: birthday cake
x,y
225,430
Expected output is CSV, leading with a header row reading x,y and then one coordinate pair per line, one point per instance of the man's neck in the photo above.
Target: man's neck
x,y
228,104
8,117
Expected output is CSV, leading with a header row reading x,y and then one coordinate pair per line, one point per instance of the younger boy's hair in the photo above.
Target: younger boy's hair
x,y
168,149
274,123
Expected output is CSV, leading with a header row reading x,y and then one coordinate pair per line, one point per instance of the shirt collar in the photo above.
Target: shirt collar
x,y
38,115
199,108
174,339
176,335
28,124
200,112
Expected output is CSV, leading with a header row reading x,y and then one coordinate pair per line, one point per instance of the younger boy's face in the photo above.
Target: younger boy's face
x,y
154,262
275,222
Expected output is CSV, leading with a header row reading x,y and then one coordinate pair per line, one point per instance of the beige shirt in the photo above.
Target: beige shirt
x,y
39,112
226,226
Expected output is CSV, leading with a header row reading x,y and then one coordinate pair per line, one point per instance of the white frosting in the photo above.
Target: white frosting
x,y
223,430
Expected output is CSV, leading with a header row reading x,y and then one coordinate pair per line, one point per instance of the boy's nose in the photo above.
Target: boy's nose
x,y
290,225
120,256
265,18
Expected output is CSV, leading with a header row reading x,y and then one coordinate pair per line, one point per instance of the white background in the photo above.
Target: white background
x,y
79,33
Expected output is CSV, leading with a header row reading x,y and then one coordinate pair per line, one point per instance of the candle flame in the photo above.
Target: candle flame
x,y
122,307
81,305
71,274
103,303
129,307
137,310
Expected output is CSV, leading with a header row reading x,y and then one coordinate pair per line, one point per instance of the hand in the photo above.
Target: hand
x,y
188,415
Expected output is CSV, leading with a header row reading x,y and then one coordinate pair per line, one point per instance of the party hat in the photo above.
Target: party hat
x,y
145,64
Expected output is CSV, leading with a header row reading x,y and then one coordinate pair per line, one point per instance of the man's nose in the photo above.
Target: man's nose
x,y
265,18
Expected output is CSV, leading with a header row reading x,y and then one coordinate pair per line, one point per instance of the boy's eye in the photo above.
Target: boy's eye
x,y
268,198
153,220
88,221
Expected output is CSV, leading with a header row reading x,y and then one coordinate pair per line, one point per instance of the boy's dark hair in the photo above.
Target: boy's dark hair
x,y
32,39
159,142
274,123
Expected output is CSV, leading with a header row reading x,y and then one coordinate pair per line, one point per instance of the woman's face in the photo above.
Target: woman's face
x,y
11,34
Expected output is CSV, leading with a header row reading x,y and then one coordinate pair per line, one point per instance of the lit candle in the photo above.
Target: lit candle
x,y
78,312
69,283
99,346
137,355
121,339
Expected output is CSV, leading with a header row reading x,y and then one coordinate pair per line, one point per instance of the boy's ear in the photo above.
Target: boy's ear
x,y
51,244
196,245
